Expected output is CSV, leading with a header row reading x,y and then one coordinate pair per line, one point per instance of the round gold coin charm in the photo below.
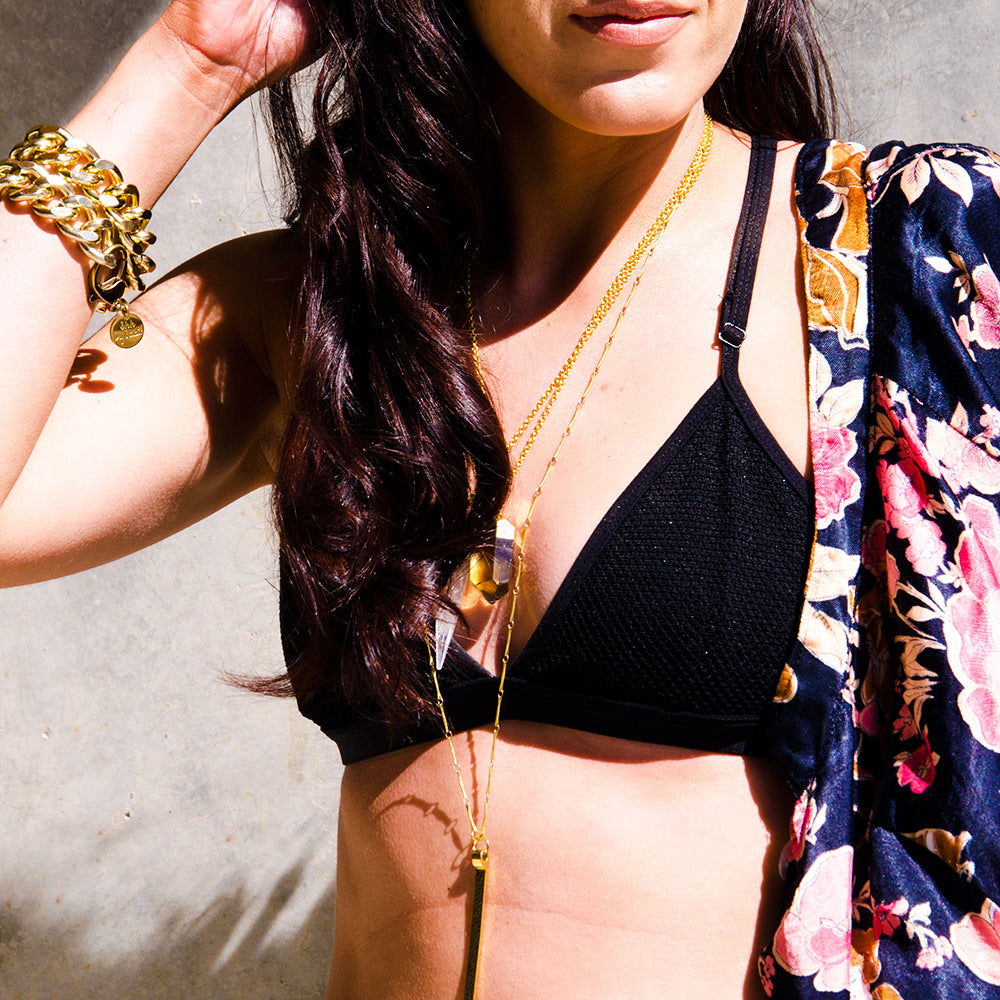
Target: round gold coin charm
x,y
126,330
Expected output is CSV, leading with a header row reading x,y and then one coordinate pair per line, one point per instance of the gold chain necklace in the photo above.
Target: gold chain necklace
x,y
490,572
642,253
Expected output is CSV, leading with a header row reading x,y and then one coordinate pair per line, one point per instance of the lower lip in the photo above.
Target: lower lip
x,y
620,31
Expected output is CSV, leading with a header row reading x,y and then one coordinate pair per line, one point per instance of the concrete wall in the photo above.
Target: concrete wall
x,y
162,835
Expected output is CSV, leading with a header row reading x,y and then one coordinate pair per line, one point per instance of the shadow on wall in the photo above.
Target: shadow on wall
x,y
203,957
54,54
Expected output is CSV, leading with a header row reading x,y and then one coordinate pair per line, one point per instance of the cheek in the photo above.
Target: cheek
x,y
509,29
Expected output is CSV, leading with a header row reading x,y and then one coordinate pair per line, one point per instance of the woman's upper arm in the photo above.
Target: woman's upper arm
x,y
145,441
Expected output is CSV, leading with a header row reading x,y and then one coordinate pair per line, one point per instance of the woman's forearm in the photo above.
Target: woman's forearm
x,y
148,118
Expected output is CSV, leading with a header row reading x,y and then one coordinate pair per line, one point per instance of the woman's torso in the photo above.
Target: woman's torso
x,y
617,868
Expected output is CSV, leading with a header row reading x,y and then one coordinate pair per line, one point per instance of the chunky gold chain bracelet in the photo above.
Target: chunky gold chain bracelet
x,y
65,182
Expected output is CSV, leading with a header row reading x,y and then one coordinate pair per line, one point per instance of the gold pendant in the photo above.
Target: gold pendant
x,y
126,330
490,573
480,862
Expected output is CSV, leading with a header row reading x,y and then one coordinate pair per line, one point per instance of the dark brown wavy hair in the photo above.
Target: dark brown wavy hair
x,y
393,466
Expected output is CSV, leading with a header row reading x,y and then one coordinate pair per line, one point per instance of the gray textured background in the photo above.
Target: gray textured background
x,y
162,835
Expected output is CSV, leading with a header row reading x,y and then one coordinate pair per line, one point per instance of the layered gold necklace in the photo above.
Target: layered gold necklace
x,y
496,574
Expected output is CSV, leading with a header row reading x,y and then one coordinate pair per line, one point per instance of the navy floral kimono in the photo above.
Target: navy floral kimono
x,y
887,718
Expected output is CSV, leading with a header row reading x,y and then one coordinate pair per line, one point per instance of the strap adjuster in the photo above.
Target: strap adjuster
x,y
732,335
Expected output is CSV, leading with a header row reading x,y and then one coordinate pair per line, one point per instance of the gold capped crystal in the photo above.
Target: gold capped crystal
x,y
490,572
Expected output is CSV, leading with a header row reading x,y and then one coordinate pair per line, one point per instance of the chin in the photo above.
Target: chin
x,y
630,108
631,121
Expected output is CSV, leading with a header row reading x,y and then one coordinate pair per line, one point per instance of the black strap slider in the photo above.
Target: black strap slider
x,y
732,335
746,247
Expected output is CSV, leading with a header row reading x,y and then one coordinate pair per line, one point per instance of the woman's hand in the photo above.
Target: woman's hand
x,y
248,43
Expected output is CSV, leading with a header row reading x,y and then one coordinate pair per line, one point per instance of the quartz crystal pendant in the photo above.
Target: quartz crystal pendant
x,y
490,571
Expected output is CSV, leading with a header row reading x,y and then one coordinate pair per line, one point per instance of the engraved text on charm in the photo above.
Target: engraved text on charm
x,y
126,330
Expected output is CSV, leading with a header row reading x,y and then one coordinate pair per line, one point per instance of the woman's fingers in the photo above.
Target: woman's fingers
x,y
251,42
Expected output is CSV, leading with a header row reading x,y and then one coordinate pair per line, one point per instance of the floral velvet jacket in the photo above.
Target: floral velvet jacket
x,y
887,718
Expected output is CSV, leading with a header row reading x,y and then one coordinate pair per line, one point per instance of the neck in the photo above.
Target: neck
x,y
570,196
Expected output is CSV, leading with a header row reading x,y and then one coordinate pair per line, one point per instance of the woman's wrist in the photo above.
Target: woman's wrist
x,y
154,111
218,85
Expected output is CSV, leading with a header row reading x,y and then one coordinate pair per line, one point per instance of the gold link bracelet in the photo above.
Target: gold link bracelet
x,y
64,182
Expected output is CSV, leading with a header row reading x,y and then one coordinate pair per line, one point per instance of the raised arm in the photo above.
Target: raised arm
x,y
182,422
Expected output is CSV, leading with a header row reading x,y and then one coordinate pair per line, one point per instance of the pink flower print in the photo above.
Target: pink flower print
x,y
926,550
985,308
814,938
905,495
990,421
913,456
807,818
903,489
917,768
798,828
962,462
766,970
835,483
868,718
932,956
873,549
979,547
887,917
976,940
905,726
972,622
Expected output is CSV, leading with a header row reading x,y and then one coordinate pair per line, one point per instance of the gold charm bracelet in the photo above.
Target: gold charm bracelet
x,y
65,182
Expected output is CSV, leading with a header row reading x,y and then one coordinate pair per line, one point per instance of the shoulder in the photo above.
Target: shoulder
x,y
909,205
950,175
916,228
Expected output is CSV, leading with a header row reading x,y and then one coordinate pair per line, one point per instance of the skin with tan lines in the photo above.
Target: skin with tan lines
x,y
596,894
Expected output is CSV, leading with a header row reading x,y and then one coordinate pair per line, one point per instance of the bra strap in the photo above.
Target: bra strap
x,y
746,249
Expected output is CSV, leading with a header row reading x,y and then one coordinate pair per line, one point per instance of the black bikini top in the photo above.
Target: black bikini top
x,y
675,620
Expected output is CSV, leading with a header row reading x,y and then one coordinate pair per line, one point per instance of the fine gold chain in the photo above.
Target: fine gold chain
x,y
545,402
647,244
642,253
480,845
479,840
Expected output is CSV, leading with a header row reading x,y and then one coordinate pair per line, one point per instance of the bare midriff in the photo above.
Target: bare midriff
x,y
617,870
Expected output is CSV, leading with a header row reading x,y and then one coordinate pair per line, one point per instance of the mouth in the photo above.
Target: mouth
x,y
631,22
